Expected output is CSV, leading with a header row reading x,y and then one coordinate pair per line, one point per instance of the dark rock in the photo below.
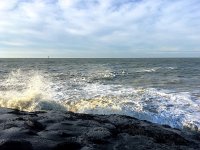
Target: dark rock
x,y
68,145
67,130
98,133
40,112
35,125
9,125
20,118
159,135
119,120
109,126
65,134
88,123
30,132
87,148
18,145
18,112
54,135
166,126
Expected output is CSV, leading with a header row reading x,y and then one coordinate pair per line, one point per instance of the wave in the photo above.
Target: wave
x,y
154,69
28,91
102,75
178,110
147,70
36,90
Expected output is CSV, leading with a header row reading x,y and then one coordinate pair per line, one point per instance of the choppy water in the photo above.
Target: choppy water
x,y
165,91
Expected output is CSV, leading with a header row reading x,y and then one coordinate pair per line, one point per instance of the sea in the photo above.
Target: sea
x,y
163,91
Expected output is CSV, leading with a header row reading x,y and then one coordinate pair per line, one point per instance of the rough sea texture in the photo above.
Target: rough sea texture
x,y
164,91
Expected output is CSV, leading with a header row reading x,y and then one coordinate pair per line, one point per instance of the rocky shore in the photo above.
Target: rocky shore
x,y
52,130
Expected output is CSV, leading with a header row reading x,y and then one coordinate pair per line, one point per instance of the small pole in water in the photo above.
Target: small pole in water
x,y
48,57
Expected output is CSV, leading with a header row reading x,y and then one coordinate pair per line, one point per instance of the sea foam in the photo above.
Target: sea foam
x,y
28,91
35,90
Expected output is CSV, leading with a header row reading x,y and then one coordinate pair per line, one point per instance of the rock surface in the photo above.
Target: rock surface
x,y
66,130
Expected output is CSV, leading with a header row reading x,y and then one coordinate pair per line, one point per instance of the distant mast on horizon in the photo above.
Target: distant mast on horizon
x,y
48,57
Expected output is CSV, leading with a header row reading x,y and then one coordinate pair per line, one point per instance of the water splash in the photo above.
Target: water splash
x,y
28,91
35,90
160,106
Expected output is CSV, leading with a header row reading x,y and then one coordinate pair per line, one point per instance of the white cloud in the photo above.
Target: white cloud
x,y
7,4
101,24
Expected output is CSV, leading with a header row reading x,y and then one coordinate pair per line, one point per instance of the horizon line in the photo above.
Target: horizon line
x,y
95,57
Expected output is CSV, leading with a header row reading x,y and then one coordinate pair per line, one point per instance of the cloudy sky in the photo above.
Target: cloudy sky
x,y
100,28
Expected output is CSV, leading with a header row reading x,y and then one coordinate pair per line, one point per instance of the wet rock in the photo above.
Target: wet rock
x,y
109,126
34,125
88,123
15,145
87,148
70,144
5,110
9,125
67,130
98,133
119,120
128,142
158,134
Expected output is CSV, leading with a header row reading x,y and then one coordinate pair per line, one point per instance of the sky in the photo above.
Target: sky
x,y
99,28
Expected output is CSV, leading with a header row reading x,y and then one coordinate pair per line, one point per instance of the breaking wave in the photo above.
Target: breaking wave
x,y
154,69
159,106
34,90
28,91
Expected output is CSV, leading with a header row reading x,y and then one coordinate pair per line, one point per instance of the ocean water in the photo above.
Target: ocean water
x,y
164,91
